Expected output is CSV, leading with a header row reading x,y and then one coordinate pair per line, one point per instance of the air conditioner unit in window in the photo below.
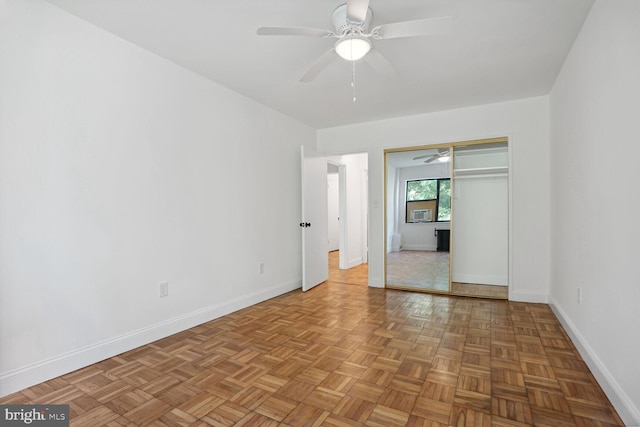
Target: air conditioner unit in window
x,y
421,215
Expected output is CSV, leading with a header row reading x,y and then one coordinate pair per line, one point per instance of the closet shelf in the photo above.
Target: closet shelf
x,y
497,170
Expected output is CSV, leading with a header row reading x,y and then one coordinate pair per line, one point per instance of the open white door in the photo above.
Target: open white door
x,y
315,257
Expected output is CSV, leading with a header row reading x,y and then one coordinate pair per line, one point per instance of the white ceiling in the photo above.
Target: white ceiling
x,y
499,50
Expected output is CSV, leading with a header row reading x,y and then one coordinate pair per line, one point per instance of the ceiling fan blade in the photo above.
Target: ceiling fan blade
x,y
380,64
357,10
319,65
287,31
431,159
422,157
417,28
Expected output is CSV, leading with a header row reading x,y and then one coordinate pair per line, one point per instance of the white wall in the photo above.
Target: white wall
x,y
525,122
595,106
118,171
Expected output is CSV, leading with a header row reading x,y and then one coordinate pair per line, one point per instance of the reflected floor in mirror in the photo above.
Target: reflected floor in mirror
x,y
429,271
419,269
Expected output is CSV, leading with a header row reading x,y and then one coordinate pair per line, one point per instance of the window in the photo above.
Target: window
x,y
428,200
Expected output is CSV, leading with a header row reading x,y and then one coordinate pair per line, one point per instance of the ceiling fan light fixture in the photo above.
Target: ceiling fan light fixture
x,y
443,158
353,47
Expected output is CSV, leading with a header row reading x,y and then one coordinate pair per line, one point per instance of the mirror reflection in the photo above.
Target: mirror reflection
x,y
418,219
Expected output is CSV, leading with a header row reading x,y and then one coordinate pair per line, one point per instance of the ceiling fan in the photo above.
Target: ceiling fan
x,y
442,155
351,22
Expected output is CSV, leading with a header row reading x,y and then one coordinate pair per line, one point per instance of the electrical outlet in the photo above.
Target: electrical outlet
x,y
261,268
579,295
163,289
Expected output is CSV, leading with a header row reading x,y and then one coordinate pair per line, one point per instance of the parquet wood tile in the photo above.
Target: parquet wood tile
x,y
383,416
201,404
366,391
406,384
462,417
344,354
255,419
324,398
334,420
378,377
550,418
512,409
432,410
98,416
306,415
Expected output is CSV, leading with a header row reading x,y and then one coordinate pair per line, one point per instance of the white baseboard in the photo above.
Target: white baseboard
x,y
396,242
374,283
418,248
354,262
481,279
627,409
27,376
534,297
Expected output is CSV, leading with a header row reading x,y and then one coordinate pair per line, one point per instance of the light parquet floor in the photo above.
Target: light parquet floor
x,y
345,355
421,270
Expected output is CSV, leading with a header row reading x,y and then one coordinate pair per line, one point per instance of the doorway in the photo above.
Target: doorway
x,y
347,211
446,218
352,207
337,211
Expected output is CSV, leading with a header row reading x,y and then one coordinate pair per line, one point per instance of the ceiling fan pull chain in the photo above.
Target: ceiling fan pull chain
x,y
353,79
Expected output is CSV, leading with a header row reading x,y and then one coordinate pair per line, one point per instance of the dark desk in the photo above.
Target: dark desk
x,y
443,237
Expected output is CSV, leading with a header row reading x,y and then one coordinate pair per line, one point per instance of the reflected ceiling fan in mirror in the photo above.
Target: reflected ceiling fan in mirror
x,y
351,22
442,155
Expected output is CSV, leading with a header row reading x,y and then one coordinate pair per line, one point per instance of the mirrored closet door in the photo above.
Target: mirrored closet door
x,y
418,212
447,218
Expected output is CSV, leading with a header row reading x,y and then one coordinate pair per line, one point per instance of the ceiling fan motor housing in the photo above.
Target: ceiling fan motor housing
x,y
344,26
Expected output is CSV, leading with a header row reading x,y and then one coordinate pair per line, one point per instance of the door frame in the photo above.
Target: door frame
x,y
365,210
